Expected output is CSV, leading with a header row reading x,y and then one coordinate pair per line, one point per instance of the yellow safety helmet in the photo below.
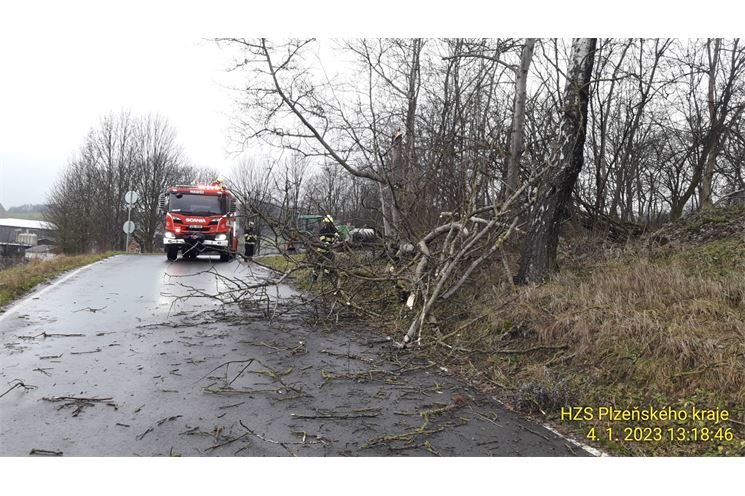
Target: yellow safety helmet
x,y
328,219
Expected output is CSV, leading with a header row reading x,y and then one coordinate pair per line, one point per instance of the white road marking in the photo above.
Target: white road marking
x,y
587,448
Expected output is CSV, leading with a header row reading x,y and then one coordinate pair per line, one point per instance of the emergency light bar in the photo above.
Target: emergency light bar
x,y
207,187
210,187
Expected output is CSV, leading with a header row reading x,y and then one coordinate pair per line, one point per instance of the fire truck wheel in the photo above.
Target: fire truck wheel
x,y
171,253
225,257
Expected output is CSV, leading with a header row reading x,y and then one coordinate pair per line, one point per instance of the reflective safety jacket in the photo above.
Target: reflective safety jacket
x,y
328,233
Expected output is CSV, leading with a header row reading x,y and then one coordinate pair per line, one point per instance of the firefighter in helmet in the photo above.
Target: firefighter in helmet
x,y
328,233
250,239
328,236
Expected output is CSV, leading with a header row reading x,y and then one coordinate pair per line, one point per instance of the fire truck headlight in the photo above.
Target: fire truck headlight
x,y
169,234
221,237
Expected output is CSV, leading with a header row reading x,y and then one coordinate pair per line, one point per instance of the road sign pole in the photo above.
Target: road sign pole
x,y
130,197
129,216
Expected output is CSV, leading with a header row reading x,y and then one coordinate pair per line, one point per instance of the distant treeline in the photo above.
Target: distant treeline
x,y
27,208
122,153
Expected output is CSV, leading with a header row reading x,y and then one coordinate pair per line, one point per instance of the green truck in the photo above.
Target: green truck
x,y
307,226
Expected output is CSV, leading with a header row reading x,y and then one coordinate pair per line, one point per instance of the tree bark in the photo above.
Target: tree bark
x,y
538,258
518,119
412,94
714,125
395,179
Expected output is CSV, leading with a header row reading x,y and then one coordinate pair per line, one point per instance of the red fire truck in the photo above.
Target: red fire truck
x,y
198,219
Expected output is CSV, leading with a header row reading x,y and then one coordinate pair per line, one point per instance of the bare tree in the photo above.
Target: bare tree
x,y
157,166
518,117
724,82
121,153
538,257
431,137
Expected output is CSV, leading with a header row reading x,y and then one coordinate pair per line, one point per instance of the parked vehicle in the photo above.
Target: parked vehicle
x,y
199,219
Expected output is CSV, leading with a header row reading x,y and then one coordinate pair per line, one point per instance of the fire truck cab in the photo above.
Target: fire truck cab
x,y
199,219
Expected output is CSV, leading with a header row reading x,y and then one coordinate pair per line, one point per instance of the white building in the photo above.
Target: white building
x,y
21,231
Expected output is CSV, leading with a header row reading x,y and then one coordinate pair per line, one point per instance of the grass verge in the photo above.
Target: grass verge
x,y
18,280
661,327
280,262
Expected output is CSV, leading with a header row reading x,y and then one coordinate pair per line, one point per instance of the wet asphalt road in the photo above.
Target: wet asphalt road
x,y
116,367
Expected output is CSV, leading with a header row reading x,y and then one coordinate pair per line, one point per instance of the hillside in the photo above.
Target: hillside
x,y
22,215
28,208
657,322
28,212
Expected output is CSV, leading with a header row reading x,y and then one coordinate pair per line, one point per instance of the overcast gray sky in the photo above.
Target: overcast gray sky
x,y
53,89
64,64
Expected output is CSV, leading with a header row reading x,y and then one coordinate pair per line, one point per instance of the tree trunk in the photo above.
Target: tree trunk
x,y
388,190
397,165
713,134
538,256
408,165
708,177
518,119
385,211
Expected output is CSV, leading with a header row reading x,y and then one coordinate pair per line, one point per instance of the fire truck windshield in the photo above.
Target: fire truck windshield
x,y
196,204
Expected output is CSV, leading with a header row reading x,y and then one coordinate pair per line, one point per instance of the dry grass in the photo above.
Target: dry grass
x,y
660,327
651,323
16,281
280,262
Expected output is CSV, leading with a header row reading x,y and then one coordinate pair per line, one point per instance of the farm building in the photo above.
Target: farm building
x,y
27,232
17,235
